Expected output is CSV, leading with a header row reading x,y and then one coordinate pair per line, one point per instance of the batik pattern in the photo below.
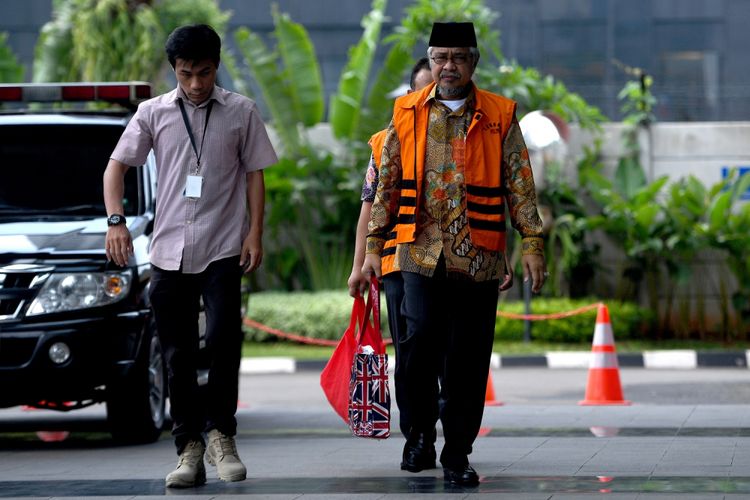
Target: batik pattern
x,y
442,221
370,183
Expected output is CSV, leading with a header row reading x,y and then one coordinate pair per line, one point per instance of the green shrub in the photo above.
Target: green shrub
x,y
320,315
11,71
325,315
628,321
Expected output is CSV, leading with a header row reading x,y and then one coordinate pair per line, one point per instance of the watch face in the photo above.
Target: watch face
x,y
115,219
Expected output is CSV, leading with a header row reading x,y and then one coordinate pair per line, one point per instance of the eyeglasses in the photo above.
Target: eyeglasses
x,y
457,59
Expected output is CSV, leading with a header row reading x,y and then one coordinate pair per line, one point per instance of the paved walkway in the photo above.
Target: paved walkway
x,y
295,447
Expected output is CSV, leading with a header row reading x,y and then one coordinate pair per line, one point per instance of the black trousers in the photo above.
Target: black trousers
x,y
445,357
394,297
175,299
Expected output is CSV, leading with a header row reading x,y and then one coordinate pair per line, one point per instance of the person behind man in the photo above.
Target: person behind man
x,y
357,283
211,148
453,160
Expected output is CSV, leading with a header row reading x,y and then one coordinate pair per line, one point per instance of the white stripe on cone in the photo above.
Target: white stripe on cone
x,y
603,360
603,334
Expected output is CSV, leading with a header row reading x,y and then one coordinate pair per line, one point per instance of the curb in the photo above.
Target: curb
x,y
668,359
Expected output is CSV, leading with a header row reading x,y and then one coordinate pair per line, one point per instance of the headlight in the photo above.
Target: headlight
x,y
71,291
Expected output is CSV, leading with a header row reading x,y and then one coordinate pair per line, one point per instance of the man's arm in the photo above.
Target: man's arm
x,y
385,206
118,243
357,282
521,198
252,246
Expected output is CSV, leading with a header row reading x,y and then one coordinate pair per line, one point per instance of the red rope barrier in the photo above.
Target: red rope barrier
x,y
289,336
324,342
292,336
541,317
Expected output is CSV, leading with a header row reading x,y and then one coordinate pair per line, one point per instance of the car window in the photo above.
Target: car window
x,y
57,169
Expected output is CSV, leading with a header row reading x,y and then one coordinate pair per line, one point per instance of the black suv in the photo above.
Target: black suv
x,y
75,330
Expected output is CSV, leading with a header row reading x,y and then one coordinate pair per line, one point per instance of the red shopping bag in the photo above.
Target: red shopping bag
x,y
370,398
335,377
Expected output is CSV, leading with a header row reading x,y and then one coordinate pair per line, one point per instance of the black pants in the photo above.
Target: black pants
x,y
175,298
394,297
445,355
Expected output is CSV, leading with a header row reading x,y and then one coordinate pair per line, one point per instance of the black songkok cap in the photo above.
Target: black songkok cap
x,y
453,35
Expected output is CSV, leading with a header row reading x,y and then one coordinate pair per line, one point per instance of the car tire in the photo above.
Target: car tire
x,y
136,404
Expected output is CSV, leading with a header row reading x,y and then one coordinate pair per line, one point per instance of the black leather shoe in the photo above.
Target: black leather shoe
x,y
419,454
461,476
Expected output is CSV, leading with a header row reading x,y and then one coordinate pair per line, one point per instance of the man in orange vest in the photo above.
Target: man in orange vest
x,y
453,160
394,290
357,283
421,76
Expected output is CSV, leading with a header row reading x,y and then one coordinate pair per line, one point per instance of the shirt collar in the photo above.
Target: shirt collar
x,y
432,96
217,94
470,98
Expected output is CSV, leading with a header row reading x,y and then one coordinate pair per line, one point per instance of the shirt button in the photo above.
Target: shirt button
x,y
189,222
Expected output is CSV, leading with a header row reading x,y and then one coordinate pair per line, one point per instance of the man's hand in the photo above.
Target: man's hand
x,y
534,269
507,282
371,267
118,245
357,282
252,253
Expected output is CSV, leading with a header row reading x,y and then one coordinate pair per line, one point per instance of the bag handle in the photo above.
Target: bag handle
x,y
357,317
372,306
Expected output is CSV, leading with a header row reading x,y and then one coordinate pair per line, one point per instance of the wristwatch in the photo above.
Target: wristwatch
x,y
115,220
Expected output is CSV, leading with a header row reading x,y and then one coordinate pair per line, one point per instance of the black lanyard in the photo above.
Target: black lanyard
x,y
198,153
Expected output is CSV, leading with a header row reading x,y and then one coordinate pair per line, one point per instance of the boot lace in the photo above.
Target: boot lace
x,y
226,444
192,454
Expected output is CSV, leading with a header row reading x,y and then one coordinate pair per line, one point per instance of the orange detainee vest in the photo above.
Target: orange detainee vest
x,y
485,203
376,142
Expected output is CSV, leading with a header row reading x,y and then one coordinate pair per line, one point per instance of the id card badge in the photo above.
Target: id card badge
x,y
193,186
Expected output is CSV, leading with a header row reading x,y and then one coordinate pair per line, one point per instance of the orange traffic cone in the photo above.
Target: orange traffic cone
x,y
489,400
489,394
604,480
603,387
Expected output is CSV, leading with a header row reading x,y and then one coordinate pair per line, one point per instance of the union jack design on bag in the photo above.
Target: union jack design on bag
x,y
370,403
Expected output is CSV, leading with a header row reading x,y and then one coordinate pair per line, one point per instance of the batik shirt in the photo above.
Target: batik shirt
x,y
370,183
442,224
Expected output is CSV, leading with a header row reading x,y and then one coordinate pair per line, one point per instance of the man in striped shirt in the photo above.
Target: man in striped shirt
x,y
211,147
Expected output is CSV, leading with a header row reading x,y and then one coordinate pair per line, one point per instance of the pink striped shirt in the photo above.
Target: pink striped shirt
x,y
197,231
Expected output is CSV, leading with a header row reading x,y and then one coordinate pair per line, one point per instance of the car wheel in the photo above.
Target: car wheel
x,y
136,405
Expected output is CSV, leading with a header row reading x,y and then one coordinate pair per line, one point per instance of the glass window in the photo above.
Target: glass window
x,y
57,170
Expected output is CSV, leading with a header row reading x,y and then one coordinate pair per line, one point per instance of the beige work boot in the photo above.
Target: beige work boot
x,y
222,452
190,470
